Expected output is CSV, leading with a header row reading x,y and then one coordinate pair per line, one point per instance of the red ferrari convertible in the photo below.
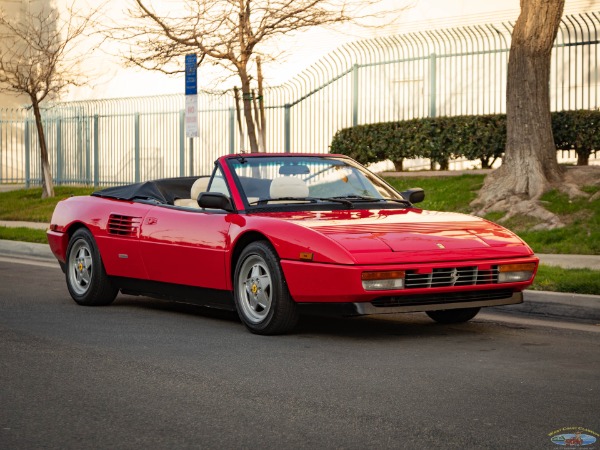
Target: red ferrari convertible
x,y
271,234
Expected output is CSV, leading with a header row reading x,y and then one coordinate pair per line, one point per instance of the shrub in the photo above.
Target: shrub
x,y
577,130
472,137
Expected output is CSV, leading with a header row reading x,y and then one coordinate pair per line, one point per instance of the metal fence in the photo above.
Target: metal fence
x,y
442,72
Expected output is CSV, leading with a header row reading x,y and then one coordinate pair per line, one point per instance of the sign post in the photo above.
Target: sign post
x,y
191,103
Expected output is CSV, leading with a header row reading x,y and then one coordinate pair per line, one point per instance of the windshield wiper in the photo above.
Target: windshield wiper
x,y
360,198
364,198
398,200
307,199
346,200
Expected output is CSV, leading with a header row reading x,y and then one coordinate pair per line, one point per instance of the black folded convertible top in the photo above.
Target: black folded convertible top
x,y
161,191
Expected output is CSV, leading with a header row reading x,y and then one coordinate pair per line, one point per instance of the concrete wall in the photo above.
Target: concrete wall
x,y
14,10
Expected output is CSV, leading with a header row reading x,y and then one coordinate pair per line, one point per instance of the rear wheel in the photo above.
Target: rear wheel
x,y
87,281
262,299
453,315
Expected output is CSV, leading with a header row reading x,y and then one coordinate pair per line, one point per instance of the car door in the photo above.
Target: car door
x,y
188,245
185,246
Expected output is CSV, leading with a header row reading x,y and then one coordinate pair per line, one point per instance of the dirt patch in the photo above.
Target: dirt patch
x,y
583,175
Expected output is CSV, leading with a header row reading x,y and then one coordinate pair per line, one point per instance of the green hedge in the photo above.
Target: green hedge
x,y
577,130
473,137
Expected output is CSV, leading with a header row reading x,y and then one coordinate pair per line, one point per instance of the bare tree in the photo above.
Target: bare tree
x,y
229,33
529,167
35,61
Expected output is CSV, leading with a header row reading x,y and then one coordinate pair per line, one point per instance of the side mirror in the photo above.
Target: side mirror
x,y
215,200
414,195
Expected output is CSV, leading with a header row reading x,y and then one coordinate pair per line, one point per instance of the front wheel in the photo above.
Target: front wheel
x,y
453,315
262,299
87,281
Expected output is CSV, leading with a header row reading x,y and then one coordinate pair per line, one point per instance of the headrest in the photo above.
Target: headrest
x,y
200,185
288,187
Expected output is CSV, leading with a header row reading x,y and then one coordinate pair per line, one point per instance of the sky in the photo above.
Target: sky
x,y
110,80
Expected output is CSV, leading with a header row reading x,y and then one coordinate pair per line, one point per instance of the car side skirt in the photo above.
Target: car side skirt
x,y
211,298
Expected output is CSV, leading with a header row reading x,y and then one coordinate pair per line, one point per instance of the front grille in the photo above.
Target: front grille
x,y
432,299
451,276
123,225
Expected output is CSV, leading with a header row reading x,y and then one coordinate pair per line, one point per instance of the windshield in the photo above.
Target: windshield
x,y
274,180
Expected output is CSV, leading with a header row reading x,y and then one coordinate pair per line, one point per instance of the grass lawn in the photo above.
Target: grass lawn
x,y
28,205
576,281
443,193
23,234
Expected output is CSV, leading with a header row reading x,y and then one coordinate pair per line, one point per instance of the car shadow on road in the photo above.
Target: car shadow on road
x,y
407,326
175,307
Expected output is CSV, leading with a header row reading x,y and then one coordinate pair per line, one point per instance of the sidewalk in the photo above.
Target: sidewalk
x,y
19,224
557,305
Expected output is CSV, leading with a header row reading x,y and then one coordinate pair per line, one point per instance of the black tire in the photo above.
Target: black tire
x,y
262,299
453,315
87,281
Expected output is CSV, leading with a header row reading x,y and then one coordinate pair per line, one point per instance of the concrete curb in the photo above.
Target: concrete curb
x,y
26,250
538,303
557,305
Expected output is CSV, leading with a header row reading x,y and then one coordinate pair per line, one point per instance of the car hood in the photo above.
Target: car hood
x,y
424,234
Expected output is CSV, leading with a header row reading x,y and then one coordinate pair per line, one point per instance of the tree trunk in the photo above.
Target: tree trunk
x,y
583,159
399,165
529,167
247,102
238,115
258,122
261,105
47,184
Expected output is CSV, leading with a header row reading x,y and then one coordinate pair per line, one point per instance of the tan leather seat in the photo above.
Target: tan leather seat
x,y
200,185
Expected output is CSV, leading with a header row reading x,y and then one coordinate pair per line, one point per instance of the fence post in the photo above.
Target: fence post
x,y
27,155
432,84
137,147
355,95
231,131
286,127
182,143
59,156
78,169
191,155
88,156
96,152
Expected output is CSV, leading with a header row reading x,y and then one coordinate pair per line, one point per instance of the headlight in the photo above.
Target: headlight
x,y
512,273
380,281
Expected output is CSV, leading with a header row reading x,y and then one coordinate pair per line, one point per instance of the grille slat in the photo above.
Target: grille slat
x,y
451,276
126,226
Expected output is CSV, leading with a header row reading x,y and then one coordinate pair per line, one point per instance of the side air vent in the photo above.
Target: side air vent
x,y
126,226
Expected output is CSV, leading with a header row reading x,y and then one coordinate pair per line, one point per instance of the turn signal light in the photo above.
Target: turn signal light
x,y
511,273
386,280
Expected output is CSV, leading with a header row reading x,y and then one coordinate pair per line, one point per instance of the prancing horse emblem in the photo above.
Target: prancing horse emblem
x,y
454,276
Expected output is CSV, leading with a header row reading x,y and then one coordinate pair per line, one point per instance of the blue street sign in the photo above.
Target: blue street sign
x,y
191,77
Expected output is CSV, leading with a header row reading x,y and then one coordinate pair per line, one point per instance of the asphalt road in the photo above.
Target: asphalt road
x,y
147,374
